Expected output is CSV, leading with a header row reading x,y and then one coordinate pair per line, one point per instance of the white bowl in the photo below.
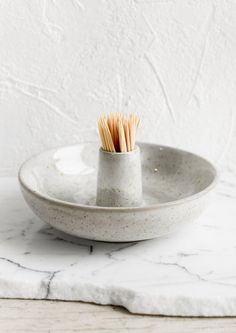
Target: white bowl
x,y
59,185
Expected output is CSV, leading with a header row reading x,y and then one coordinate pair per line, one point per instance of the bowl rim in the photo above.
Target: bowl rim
x,y
95,208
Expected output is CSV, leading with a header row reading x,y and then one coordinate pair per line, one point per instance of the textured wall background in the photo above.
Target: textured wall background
x,y
64,62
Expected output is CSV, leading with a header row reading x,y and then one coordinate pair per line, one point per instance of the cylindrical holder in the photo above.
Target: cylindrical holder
x,y
119,182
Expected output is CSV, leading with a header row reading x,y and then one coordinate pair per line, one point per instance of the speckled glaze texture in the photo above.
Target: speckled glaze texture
x,y
60,187
119,182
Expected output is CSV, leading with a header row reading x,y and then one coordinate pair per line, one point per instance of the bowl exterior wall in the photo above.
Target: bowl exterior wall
x,y
115,226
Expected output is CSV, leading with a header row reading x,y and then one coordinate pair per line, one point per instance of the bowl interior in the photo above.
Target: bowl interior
x,y
70,173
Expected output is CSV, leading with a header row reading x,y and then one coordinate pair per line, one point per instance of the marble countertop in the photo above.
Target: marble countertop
x,y
189,273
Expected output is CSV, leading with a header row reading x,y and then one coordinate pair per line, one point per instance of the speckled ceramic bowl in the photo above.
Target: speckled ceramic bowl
x,y
60,187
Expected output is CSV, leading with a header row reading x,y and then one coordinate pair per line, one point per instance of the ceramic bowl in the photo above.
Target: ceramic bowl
x,y
59,185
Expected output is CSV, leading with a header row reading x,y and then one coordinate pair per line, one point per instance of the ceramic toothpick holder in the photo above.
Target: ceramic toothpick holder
x,y
119,182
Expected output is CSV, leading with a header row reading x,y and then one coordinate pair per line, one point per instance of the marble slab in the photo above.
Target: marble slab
x,y
190,273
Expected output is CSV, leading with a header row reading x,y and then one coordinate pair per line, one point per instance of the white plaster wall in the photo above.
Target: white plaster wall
x,y
64,62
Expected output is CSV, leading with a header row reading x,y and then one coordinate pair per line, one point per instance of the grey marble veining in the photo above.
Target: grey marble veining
x,y
190,273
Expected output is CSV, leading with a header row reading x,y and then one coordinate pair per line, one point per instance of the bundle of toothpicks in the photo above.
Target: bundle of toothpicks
x,y
118,132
